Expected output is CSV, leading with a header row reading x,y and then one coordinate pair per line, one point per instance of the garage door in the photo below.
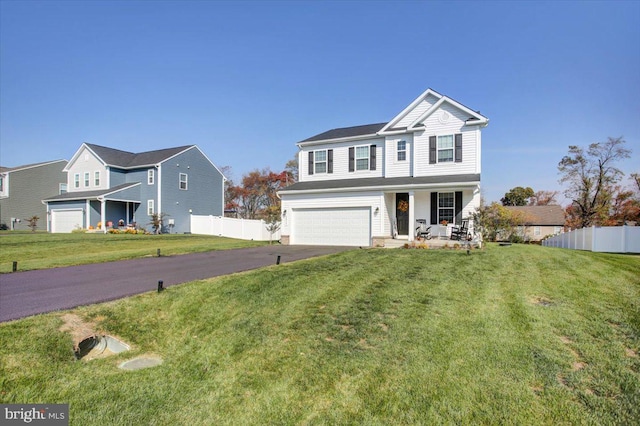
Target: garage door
x,y
65,220
332,227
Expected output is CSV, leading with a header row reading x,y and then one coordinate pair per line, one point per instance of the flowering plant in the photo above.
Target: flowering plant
x,y
444,223
403,206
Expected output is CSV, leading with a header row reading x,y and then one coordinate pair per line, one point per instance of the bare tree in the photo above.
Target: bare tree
x,y
591,175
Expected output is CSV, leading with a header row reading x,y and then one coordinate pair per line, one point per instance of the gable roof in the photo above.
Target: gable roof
x,y
551,215
92,195
475,117
347,132
381,129
129,160
28,166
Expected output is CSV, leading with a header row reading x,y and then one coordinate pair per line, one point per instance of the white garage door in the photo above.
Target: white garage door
x,y
332,227
65,220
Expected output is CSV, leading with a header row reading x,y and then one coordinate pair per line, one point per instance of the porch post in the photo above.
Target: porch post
x,y
412,216
103,213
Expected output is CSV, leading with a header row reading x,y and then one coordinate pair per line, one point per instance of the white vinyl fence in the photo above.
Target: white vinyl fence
x,y
611,239
244,229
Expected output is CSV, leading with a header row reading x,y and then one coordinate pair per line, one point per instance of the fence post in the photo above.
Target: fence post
x,y
594,245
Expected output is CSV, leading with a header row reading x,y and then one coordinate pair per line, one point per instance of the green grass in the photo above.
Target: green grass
x,y
508,335
44,250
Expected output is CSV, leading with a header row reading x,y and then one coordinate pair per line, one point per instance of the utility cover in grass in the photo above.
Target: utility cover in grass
x,y
140,363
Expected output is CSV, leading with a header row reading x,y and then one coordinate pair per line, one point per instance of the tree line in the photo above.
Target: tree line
x,y
593,185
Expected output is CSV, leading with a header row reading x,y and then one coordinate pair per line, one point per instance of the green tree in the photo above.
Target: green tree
x,y
497,223
517,196
591,176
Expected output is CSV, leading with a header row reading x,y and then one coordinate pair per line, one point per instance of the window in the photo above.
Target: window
x,y
76,180
402,150
62,188
183,181
150,207
445,148
96,178
150,176
536,231
446,206
86,179
362,158
1,184
557,230
320,161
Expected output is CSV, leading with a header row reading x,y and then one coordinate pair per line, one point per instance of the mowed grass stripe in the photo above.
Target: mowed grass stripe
x,y
506,335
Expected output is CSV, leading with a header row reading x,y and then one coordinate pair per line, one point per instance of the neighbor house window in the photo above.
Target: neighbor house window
x,y
150,207
320,161
362,158
96,178
62,188
76,180
557,230
1,184
446,205
402,150
183,181
150,176
445,148
86,179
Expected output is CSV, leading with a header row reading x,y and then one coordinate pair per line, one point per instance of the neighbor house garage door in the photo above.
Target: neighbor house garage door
x,y
335,227
65,220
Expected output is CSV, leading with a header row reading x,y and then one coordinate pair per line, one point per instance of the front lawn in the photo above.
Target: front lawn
x,y
43,250
506,335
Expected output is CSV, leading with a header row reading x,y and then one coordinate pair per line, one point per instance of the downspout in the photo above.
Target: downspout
x,y
103,212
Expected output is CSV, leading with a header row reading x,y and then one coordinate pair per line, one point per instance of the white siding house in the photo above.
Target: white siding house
x,y
361,185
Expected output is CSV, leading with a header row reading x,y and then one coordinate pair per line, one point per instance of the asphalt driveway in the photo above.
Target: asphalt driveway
x,y
34,292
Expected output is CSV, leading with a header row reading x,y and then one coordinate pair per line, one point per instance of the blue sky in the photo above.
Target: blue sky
x,y
245,81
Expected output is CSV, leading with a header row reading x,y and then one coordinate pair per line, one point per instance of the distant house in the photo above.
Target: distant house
x,y
112,188
361,185
23,188
541,221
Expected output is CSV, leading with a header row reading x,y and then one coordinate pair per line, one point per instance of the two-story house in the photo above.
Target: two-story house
x,y
22,189
108,187
361,185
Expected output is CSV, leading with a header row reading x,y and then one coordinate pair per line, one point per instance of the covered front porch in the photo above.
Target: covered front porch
x,y
98,210
439,209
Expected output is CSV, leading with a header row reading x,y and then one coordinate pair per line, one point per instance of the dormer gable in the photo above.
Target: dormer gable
x,y
412,118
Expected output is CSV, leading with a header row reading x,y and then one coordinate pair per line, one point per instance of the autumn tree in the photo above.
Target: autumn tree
x,y
496,222
256,197
291,168
517,196
591,175
543,198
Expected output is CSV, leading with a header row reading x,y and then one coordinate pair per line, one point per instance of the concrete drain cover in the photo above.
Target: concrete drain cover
x,y
99,347
140,363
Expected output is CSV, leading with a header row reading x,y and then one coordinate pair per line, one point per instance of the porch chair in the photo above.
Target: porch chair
x,y
460,232
422,230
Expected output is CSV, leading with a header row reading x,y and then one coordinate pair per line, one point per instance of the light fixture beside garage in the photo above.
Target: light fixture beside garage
x,y
376,211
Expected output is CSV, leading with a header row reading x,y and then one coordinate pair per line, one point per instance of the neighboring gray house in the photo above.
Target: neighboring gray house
x,y
107,187
23,188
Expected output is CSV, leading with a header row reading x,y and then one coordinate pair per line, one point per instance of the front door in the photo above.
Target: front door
x,y
402,213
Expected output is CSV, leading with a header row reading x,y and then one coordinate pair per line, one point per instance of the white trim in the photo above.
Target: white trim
x,y
396,188
408,109
345,139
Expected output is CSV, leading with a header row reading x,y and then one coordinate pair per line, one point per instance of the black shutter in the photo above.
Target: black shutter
x,y
458,154
433,150
434,208
329,161
352,159
458,207
311,163
372,157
